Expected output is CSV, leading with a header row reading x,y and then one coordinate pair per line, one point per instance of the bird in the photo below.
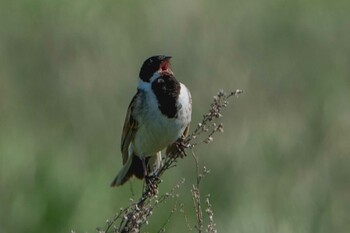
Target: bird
x,y
158,116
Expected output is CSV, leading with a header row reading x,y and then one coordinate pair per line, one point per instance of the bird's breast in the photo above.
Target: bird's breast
x,y
156,130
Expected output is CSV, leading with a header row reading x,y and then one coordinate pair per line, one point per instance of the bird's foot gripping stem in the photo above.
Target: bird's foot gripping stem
x,y
152,184
181,146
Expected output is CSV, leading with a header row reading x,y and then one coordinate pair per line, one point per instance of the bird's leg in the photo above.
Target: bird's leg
x,y
149,179
144,166
181,146
177,149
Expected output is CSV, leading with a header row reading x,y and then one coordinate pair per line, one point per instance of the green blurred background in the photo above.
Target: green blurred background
x,y
69,69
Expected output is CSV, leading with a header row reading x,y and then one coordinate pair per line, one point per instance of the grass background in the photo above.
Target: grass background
x,y
68,70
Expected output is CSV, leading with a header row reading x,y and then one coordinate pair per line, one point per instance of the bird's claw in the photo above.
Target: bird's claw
x,y
181,146
151,184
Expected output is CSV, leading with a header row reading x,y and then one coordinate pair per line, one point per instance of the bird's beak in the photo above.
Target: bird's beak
x,y
165,66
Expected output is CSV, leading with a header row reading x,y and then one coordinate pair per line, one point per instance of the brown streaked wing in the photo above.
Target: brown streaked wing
x,y
129,129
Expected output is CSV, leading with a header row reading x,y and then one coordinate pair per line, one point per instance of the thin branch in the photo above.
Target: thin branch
x,y
134,216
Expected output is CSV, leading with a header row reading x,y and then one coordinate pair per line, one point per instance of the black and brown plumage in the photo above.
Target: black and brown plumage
x,y
158,115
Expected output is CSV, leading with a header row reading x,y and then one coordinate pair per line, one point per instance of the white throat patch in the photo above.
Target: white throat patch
x,y
142,85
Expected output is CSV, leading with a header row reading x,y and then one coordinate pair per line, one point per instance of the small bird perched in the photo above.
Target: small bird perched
x,y
158,115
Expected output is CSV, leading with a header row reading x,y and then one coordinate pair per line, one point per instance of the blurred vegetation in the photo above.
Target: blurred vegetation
x,y
68,70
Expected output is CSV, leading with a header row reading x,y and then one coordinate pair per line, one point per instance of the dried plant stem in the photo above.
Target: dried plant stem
x,y
196,196
134,216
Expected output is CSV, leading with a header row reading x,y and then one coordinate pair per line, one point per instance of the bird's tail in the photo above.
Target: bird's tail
x,y
134,167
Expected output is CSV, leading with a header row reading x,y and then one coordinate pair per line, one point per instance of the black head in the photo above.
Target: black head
x,y
154,64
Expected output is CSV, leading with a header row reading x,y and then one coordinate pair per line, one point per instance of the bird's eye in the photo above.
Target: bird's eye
x,y
160,80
